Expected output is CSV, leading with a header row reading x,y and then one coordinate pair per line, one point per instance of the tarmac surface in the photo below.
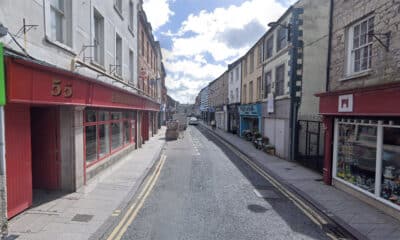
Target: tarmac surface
x,y
205,191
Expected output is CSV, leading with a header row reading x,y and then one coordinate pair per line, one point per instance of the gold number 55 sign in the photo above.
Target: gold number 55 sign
x,y
58,90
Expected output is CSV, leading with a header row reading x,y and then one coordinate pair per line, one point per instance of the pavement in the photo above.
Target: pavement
x,y
205,191
82,214
363,220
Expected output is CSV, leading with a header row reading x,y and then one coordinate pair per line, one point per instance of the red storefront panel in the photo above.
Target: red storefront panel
x,y
45,148
377,101
18,158
29,82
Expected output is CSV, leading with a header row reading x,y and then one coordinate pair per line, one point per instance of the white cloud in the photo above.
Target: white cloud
x,y
220,36
158,12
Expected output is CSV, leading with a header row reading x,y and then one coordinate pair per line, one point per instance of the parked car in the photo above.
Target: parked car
x,y
193,121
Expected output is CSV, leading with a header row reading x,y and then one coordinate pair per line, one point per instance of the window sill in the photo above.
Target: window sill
x,y
98,65
286,96
119,12
357,75
131,31
61,45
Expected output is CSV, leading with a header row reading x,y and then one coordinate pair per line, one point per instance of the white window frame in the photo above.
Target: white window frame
x,y
131,22
283,80
118,69
68,26
351,49
131,78
98,49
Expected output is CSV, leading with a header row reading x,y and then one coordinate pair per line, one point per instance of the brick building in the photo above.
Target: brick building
x,y
360,108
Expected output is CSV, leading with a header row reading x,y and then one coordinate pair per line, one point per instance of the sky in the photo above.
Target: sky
x,y
199,38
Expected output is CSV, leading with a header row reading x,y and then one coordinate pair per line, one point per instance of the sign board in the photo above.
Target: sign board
x,y
2,78
345,103
270,105
251,109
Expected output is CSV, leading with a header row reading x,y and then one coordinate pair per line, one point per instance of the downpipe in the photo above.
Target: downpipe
x,y
3,188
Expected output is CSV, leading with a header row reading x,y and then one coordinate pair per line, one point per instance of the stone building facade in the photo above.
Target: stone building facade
x,y
361,106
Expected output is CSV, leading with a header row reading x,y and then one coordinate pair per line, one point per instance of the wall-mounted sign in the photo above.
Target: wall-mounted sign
x,y
57,89
270,104
345,103
250,109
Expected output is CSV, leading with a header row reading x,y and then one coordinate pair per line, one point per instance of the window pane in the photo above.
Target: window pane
x,y
356,158
363,35
90,116
104,139
116,135
370,29
364,63
357,60
127,129
103,116
91,143
116,115
369,56
391,165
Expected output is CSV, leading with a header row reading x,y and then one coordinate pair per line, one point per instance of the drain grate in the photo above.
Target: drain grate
x,y
82,218
318,180
267,194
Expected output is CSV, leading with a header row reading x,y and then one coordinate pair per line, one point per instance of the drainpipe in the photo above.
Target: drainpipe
x,y
328,65
3,193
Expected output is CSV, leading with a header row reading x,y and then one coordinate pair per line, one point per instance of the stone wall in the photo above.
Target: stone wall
x,y
385,64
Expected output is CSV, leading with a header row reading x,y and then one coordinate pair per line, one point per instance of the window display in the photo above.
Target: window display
x,y
356,160
390,189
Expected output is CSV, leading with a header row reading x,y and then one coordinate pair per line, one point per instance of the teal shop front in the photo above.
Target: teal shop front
x,y
250,117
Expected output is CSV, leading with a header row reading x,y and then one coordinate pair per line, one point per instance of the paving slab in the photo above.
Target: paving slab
x,y
95,202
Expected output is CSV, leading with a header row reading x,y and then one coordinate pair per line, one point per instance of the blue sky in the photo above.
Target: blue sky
x,y
199,38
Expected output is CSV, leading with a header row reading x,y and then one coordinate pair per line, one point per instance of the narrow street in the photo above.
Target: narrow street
x,y
205,191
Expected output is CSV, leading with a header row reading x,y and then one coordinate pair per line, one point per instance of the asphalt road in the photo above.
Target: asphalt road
x,y
207,192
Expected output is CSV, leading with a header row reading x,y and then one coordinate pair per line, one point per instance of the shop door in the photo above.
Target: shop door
x,y
18,158
45,154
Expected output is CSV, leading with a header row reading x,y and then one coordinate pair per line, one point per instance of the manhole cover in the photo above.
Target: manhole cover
x,y
82,218
268,194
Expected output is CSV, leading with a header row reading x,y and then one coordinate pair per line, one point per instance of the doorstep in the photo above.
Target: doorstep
x,y
358,217
81,214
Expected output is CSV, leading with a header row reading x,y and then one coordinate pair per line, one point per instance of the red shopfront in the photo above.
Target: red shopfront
x,y
36,97
362,142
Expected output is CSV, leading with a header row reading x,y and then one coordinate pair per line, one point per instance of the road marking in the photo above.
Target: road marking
x,y
133,210
308,211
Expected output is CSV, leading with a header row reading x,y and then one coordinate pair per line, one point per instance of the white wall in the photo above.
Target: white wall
x,y
12,13
235,82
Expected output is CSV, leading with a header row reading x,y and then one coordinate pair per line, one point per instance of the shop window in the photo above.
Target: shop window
x,y
104,140
106,131
90,116
390,189
103,116
91,143
356,159
116,135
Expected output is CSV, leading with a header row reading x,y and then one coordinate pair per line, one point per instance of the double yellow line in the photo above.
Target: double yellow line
x,y
133,210
304,207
